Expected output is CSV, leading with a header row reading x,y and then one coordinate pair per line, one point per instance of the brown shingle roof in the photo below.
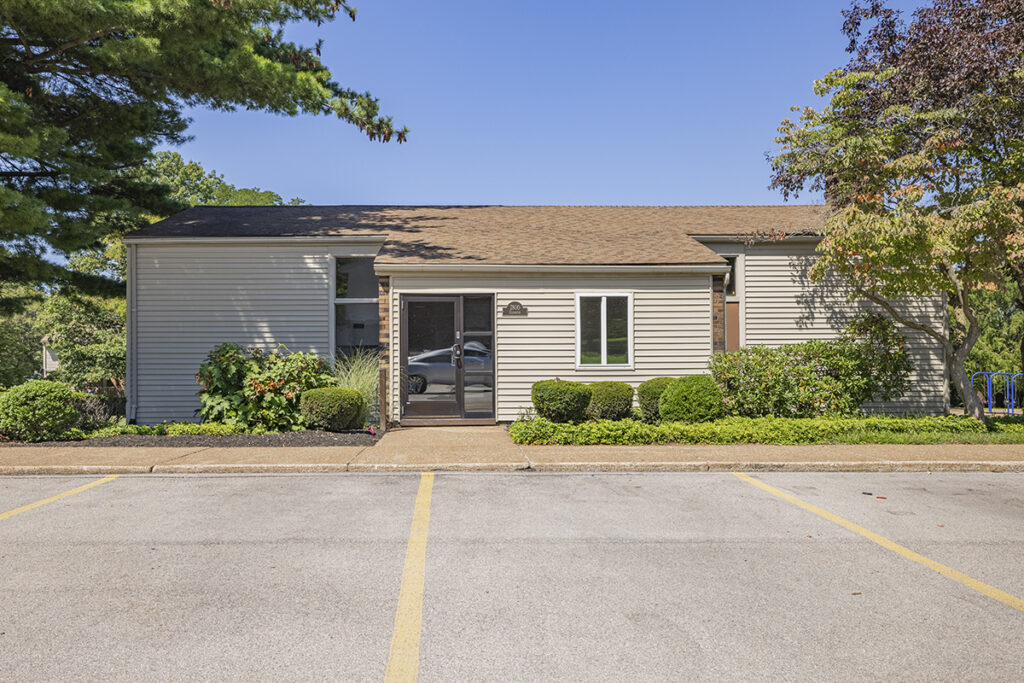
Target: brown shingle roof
x,y
528,235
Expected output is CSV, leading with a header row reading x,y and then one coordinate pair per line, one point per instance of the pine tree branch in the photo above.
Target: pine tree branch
x,y
53,52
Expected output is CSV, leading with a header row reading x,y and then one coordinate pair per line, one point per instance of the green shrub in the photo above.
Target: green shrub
x,y
765,430
867,362
256,389
561,401
648,394
39,410
332,408
97,410
880,359
164,429
200,429
610,401
360,370
691,399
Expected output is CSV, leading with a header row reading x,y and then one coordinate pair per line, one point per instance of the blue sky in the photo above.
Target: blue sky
x,y
558,102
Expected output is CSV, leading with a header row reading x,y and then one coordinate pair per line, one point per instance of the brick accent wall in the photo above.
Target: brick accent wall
x,y
718,313
384,316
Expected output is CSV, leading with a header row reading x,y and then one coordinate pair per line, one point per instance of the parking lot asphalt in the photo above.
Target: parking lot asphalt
x,y
510,576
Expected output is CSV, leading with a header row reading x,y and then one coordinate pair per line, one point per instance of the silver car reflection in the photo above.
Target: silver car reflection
x,y
436,367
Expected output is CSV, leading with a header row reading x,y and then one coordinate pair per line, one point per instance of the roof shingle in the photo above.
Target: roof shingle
x,y
526,235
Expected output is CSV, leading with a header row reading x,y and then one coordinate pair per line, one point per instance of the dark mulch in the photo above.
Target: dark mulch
x,y
309,437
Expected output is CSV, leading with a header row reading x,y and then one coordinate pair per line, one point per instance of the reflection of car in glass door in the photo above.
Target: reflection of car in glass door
x,y
434,367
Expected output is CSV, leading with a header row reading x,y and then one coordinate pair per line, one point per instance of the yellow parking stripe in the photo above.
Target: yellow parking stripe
x,y
949,572
32,506
404,658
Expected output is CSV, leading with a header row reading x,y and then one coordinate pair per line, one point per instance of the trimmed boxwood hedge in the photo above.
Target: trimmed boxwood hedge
x,y
610,401
39,410
331,408
648,394
561,401
771,430
691,399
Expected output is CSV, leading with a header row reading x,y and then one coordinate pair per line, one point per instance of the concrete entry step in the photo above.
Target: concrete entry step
x,y
488,447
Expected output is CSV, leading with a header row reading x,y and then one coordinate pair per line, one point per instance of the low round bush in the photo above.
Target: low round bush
x,y
691,399
561,401
39,410
648,394
610,401
331,408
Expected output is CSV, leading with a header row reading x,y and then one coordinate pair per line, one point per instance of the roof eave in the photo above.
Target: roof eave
x,y
352,238
386,268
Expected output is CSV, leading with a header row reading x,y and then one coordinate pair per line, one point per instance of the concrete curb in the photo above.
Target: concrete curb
x,y
74,469
255,468
440,467
863,466
688,466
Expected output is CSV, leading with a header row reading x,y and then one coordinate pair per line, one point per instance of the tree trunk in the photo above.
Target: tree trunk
x,y
1022,351
972,404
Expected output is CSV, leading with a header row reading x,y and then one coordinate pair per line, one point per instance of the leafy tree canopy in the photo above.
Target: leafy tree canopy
x,y
193,185
88,89
21,345
88,334
919,151
1002,327
190,185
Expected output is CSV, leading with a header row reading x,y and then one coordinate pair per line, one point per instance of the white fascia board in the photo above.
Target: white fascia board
x,y
373,239
732,239
389,268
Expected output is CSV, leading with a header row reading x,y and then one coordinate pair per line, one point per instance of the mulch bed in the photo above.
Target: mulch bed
x,y
309,437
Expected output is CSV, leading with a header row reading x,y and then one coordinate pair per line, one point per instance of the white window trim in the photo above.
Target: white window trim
x,y
333,300
355,300
604,331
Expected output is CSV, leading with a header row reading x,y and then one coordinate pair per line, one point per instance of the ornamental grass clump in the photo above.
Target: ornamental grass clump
x,y
691,399
360,370
561,401
39,410
610,401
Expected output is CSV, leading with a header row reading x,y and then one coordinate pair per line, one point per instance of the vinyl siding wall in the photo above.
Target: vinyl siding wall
x,y
671,328
189,298
782,306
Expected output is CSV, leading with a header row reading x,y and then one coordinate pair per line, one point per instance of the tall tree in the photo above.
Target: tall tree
x,y
919,152
193,185
1002,327
87,89
21,345
189,184
88,334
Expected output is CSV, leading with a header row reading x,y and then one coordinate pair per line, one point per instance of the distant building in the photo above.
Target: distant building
x,y
50,362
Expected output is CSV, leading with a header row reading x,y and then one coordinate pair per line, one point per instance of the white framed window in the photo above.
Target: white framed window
x,y
604,330
356,321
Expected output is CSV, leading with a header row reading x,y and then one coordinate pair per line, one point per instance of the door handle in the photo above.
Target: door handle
x,y
457,355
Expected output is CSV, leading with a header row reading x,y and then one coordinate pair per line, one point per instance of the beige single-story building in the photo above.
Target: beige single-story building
x,y
473,304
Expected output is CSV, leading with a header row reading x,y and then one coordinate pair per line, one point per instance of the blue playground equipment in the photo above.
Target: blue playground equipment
x,y
1011,387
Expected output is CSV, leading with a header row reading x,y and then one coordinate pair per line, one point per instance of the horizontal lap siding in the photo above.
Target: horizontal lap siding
x,y
189,299
784,307
671,329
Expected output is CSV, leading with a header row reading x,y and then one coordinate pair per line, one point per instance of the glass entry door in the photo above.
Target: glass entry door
x,y
448,357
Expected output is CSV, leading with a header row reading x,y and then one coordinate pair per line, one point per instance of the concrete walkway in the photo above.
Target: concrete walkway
x,y
491,449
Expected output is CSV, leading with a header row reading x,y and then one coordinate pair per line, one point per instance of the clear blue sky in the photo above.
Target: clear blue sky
x,y
558,102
